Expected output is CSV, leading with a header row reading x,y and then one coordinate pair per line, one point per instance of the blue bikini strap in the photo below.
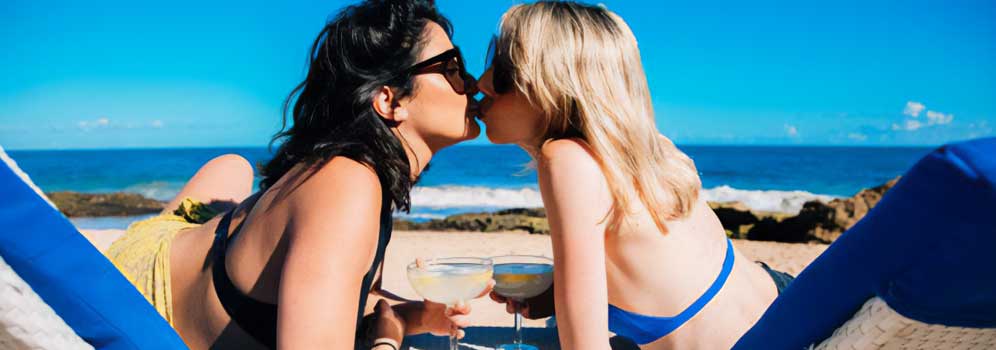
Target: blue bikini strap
x,y
651,328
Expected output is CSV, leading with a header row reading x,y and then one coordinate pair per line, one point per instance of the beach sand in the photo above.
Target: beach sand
x,y
406,246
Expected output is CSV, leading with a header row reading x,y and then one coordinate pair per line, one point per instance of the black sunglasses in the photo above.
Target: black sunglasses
x,y
452,68
500,67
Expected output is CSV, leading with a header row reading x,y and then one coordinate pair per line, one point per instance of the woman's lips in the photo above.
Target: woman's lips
x,y
473,108
483,107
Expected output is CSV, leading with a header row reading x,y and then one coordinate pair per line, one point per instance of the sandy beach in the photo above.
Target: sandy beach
x,y
406,246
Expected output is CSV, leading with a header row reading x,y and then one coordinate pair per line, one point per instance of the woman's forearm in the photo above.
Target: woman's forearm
x,y
391,297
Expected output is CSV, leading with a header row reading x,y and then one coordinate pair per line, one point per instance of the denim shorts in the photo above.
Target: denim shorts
x,y
781,279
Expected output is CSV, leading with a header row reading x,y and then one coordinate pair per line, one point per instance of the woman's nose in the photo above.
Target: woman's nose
x,y
484,83
470,85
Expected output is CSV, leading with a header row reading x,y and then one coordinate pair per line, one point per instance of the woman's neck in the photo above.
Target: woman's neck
x,y
532,147
416,150
533,151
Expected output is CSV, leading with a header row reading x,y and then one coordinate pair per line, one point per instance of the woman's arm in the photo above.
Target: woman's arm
x,y
378,290
332,238
577,200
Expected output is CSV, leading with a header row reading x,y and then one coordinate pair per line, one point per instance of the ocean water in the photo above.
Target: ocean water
x,y
473,178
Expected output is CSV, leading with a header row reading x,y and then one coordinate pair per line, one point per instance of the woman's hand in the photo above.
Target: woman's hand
x,y
437,319
443,321
387,323
540,306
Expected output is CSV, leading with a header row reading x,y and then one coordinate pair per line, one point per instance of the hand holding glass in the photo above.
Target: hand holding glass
x,y
451,281
519,277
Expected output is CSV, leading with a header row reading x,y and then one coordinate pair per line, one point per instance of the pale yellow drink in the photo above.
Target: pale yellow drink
x,y
450,283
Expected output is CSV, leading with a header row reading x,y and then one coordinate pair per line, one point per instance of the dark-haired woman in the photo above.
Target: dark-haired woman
x,y
291,266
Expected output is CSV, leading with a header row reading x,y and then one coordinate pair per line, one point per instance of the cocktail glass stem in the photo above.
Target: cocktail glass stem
x,y
454,342
517,338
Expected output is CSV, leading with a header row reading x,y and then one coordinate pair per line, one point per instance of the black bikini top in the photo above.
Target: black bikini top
x,y
258,318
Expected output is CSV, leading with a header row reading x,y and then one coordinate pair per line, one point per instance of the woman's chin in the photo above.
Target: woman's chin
x,y
495,139
470,132
473,130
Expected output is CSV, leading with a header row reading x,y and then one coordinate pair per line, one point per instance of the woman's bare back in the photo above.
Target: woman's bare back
x,y
662,274
254,261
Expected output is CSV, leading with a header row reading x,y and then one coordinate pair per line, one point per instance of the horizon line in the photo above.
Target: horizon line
x,y
680,145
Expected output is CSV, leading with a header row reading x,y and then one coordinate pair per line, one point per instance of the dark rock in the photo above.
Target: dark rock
x,y
734,216
75,204
738,219
405,225
529,220
821,222
530,212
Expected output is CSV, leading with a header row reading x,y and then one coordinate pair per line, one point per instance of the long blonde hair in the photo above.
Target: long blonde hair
x,y
580,66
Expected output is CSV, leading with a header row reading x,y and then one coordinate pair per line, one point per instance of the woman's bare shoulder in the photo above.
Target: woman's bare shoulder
x,y
341,184
570,155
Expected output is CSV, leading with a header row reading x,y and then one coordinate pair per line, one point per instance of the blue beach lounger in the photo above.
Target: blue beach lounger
x,y
918,272
39,246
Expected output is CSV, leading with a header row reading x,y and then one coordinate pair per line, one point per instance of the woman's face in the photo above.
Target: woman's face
x,y
437,113
508,115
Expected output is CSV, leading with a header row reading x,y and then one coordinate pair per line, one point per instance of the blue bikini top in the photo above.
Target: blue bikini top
x,y
646,329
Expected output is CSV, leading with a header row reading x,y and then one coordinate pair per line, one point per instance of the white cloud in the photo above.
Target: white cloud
x,y
87,125
857,136
912,123
107,123
791,130
913,108
938,118
907,125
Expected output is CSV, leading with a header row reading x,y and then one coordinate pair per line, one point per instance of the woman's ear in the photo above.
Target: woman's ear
x,y
385,104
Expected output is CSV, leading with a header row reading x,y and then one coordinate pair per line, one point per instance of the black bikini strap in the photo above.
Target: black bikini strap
x,y
257,318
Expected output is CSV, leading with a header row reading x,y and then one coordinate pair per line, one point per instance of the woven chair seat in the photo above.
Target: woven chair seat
x,y
27,322
878,326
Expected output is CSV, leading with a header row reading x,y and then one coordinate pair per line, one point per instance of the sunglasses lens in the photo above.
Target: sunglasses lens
x,y
490,57
499,75
456,81
501,80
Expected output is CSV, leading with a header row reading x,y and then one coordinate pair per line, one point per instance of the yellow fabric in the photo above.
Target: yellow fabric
x,y
142,253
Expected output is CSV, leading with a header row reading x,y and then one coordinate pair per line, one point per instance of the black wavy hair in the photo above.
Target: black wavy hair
x,y
366,46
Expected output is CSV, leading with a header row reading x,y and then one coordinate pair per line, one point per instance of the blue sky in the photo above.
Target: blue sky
x,y
197,74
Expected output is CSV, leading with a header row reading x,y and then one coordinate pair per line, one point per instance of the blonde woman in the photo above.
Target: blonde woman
x,y
637,251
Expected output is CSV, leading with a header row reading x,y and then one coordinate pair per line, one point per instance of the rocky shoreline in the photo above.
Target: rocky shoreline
x,y
532,220
816,222
75,204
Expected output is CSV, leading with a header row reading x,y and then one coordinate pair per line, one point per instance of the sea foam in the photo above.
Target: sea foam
x,y
456,197
464,196
764,200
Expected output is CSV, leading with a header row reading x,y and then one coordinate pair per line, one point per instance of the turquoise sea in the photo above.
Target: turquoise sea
x,y
470,178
